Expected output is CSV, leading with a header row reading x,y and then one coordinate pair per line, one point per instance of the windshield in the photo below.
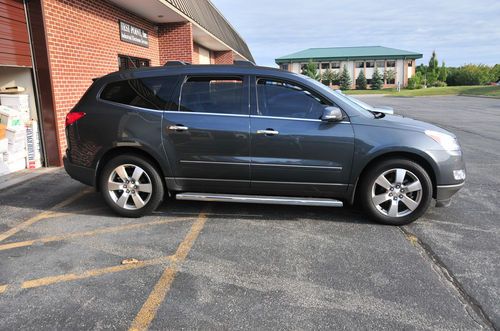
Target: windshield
x,y
340,96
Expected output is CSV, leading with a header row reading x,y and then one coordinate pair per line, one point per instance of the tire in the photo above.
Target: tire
x,y
131,186
394,201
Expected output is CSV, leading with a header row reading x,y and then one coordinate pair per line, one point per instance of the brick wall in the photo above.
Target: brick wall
x,y
224,57
84,42
176,42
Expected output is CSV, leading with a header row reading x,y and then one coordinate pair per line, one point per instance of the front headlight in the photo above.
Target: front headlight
x,y
449,143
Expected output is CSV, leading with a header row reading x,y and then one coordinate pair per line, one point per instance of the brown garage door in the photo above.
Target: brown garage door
x,y
14,40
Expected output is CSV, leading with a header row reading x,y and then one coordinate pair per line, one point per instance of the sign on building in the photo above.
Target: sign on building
x,y
134,35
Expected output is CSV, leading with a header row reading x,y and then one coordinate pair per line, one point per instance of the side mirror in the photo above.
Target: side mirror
x,y
332,114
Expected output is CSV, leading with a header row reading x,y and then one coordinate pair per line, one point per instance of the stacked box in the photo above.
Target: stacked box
x,y
18,102
33,159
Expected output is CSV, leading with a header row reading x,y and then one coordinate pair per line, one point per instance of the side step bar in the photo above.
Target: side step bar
x,y
273,200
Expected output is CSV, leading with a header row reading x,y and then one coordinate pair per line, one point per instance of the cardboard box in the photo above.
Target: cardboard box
x,y
33,159
12,118
4,145
3,132
19,102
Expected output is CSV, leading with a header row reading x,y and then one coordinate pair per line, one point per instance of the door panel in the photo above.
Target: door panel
x,y
305,156
208,140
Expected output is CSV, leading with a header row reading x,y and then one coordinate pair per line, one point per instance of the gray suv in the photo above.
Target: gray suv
x,y
249,134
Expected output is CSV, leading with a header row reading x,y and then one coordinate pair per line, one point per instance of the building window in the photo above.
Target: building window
x,y
369,81
335,65
303,67
360,64
215,95
410,64
391,64
380,64
129,62
325,66
370,64
284,67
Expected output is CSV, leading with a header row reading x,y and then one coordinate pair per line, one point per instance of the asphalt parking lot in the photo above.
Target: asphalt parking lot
x,y
66,262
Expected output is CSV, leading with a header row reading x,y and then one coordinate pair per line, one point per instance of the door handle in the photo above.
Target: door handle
x,y
178,127
268,132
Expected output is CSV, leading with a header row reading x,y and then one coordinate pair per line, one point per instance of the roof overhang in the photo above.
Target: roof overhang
x,y
161,12
351,58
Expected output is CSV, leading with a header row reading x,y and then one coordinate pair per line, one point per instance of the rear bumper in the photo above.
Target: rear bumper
x,y
82,174
445,192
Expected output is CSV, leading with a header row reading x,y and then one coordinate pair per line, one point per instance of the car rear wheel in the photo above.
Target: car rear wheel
x,y
396,191
131,186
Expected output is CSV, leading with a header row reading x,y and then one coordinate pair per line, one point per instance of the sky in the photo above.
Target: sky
x,y
461,31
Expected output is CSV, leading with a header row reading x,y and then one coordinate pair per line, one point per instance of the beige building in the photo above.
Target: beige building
x,y
397,63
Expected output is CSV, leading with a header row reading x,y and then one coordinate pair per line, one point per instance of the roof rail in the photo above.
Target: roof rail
x,y
243,63
176,63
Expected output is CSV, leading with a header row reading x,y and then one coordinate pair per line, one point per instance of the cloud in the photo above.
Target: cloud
x,y
461,31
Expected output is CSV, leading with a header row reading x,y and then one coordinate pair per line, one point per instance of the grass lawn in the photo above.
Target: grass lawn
x,y
492,91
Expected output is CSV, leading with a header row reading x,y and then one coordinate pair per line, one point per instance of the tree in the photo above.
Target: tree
x,y
377,80
443,72
496,72
389,76
335,77
471,74
345,79
361,81
311,70
327,77
433,69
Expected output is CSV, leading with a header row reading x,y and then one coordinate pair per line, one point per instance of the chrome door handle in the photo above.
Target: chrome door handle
x,y
268,132
178,128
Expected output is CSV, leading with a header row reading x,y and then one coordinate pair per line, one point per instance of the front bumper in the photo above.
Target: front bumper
x,y
82,174
445,192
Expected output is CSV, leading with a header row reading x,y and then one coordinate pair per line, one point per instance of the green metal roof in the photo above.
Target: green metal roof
x,y
351,53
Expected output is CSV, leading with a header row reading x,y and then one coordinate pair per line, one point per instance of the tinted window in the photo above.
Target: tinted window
x,y
223,95
283,99
152,93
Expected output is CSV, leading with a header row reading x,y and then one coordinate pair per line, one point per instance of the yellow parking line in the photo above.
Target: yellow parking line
x,y
89,273
41,216
160,290
93,273
89,233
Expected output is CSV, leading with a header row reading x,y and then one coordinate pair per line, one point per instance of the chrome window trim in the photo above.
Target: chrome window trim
x,y
297,119
200,113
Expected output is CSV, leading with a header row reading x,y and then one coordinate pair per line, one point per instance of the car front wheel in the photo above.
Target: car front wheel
x,y
131,186
396,191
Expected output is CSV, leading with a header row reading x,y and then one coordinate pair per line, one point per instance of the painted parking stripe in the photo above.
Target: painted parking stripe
x,y
45,281
160,290
42,216
89,233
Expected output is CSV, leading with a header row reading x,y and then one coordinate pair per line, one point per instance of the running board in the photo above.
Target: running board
x,y
273,200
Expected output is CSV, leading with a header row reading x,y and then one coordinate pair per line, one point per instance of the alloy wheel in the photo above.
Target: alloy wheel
x,y
130,187
396,192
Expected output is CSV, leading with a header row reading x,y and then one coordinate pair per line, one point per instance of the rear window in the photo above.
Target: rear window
x,y
152,92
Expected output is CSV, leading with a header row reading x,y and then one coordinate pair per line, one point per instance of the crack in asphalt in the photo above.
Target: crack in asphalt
x,y
470,303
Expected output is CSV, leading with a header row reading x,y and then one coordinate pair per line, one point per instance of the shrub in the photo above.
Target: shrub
x,y
390,76
471,74
416,81
361,81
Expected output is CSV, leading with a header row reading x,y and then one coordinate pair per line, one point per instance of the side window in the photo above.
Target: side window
x,y
283,99
216,95
151,92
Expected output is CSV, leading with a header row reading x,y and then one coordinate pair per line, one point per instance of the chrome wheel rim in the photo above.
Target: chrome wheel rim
x,y
397,192
130,187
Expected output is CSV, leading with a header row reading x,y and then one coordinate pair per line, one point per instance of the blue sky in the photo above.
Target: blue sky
x,y
460,31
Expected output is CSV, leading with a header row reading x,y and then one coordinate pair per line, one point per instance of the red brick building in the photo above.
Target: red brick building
x,y
63,44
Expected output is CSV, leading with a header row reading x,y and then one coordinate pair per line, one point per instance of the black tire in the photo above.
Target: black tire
x,y
151,176
380,213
